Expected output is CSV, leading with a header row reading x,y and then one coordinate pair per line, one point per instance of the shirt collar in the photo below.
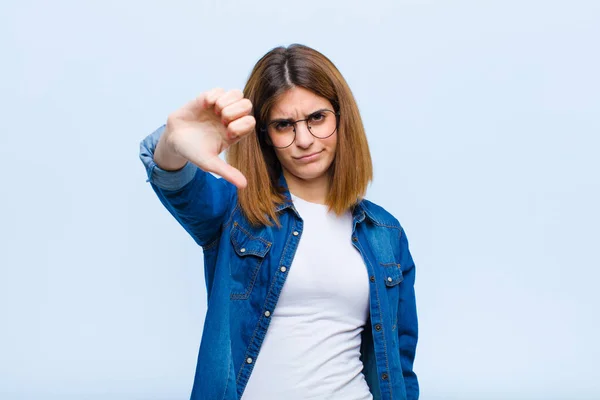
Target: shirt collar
x,y
358,213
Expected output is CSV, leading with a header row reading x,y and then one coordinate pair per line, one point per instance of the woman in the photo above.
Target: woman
x,y
310,287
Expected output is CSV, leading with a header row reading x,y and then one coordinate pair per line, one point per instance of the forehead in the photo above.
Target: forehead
x,y
296,103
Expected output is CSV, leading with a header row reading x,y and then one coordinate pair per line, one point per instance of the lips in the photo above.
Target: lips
x,y
309,157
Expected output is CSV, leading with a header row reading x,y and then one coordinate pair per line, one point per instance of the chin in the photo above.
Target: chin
x,y
309,172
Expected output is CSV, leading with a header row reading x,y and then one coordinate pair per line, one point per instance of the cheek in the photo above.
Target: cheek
x,y
281,154
331,143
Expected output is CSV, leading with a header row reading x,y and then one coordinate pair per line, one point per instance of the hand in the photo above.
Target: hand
x,y
203,128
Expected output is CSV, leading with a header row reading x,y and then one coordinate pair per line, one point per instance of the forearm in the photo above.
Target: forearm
x,y
197,200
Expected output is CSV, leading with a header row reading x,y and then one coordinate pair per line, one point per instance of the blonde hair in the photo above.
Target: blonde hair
x,y
351,171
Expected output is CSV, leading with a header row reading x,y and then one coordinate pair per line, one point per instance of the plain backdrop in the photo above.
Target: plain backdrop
x,y
483,118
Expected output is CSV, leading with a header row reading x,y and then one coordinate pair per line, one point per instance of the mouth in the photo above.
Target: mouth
x,y
309,157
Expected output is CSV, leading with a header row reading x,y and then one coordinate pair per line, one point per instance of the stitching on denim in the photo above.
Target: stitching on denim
x,y
227,384
386,225
388,264
252,237
399,246
212,244
254,336
249,344
244,363
285,250
376,220
288,242
258,324
391,265
237,206
387,363
236,243
246,295
251,252
281,207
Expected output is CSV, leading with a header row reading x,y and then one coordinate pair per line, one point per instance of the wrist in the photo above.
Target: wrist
x,y
166,158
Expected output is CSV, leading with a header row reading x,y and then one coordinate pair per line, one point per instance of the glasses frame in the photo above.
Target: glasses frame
x,y
265,128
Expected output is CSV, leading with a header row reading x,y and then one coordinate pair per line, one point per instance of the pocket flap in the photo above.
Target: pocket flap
x,y
392,274
245,244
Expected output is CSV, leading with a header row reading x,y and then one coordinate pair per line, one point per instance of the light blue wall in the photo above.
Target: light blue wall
x,y
483,119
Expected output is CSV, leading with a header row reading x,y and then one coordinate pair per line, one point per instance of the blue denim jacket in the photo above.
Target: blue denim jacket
x,y
246,266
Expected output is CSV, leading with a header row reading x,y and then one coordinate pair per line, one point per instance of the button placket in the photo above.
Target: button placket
x,y
270,301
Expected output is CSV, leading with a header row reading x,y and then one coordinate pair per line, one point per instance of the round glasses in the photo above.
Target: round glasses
x,y
321,124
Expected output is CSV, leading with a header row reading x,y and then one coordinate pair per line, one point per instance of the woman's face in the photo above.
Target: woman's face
x,y
308,158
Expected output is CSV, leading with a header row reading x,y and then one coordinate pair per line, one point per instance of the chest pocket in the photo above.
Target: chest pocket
x,y
250,252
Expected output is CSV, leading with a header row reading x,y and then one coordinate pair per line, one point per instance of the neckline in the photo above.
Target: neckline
x,y
301,200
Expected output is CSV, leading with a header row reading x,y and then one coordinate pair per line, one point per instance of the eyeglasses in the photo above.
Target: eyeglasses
x,y
321,124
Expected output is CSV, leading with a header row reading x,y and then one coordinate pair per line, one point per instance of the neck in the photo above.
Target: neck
x,y
314,190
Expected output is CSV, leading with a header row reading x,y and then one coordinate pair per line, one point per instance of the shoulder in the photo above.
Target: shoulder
x,y
379,215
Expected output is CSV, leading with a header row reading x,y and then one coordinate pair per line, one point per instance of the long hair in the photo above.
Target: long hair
x,y
351,171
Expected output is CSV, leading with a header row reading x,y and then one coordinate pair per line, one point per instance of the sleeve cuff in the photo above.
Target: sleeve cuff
x,y
167,180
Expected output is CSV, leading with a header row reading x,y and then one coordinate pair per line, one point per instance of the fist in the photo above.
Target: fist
x,y
206,126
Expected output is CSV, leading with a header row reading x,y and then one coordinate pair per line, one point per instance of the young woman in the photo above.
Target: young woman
x,y
310,286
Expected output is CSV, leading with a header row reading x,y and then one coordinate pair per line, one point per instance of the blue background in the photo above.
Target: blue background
x,y
483,121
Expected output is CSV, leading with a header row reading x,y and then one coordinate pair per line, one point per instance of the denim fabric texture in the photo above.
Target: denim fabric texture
x,y
246,267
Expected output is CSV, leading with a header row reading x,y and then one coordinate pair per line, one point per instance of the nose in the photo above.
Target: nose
x,y
304,139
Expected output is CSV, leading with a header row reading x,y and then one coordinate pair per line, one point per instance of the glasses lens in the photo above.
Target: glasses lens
x,y
322,124
281,133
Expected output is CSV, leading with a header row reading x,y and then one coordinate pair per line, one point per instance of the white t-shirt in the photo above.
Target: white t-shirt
x,y
312,347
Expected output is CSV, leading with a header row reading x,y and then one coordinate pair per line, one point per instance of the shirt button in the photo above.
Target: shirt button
x,y
283,269
242,250
384,376
372,278
249,360
295,233
355,239
389,279
378,327
267,313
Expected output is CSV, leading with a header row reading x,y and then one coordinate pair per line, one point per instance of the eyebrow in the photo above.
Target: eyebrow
x,y
291,119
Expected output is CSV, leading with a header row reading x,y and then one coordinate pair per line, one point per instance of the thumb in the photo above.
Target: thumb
x,y
229,173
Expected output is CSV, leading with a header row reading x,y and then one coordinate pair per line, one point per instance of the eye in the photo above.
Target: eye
x,y
317,117
282,126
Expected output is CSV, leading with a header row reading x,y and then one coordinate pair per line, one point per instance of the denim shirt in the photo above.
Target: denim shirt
x,y
246,267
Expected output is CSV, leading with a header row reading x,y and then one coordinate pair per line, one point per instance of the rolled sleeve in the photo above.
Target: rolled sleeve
x,y
166,180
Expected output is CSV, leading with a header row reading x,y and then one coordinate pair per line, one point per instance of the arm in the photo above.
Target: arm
x,y
407,320
196,199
